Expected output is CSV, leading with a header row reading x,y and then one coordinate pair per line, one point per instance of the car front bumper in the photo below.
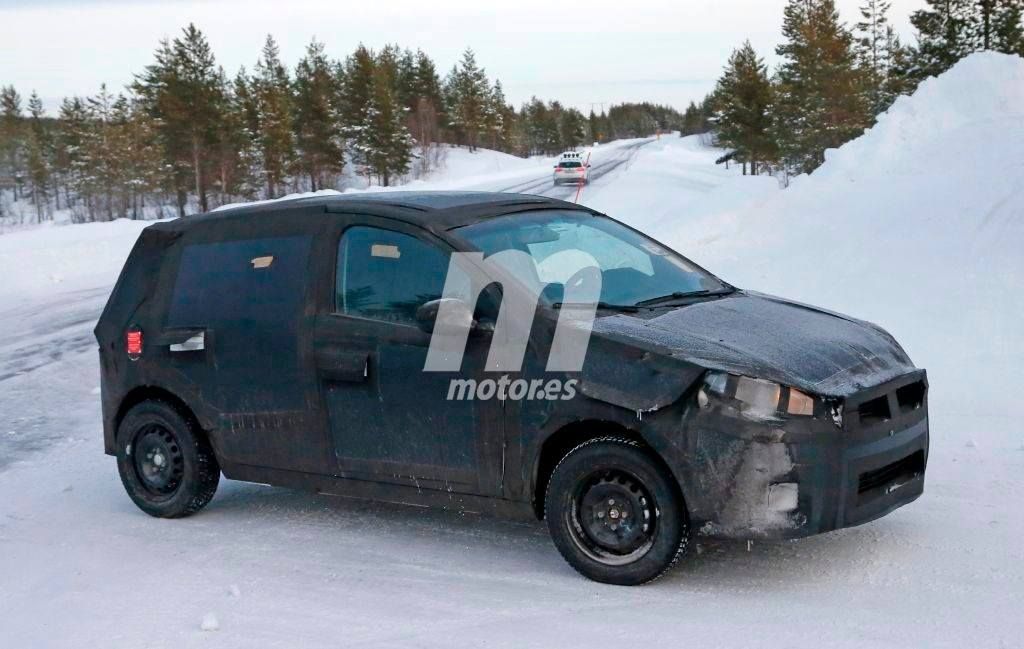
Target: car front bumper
x,y
796,476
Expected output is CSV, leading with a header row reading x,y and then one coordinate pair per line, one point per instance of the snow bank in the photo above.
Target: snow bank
x,y
917,225
461,163
459,168
675,181
48,259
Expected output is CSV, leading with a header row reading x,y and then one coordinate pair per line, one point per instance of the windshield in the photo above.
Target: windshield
x,y
634,269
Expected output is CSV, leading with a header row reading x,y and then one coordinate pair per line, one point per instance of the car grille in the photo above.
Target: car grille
x,y
885,431
888,478
891,403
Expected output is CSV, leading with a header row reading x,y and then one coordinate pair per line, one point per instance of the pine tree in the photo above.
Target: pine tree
x,y
427,90
387,63
272,90
995,25
125,184
405,80
744,97
181,90
534,116
693,120
317,123
506,126
998,25
426,82
388,143
468,95
819,100
883,59
871,51
359,75
101,154
899,79
12,142
39,157
594,125
145,172
943,35
496,114
951,29
242,142
573,128
71,134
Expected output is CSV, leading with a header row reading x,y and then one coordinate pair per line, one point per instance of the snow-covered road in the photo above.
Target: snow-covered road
x,y
603,161
80,566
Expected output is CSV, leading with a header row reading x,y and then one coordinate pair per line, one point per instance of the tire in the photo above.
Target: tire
x,y
594,494
167,465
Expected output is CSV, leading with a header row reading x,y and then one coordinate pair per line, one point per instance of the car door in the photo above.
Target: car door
x,y
391,421
237,328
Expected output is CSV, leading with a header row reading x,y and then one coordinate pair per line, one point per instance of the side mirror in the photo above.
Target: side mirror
x,y
456,314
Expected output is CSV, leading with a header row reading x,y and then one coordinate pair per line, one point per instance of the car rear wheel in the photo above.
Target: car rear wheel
x,y
615,513
167,465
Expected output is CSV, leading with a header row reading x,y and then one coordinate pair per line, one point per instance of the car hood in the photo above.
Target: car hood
x,y
769,338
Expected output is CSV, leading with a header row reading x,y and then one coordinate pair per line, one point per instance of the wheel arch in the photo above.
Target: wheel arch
x,y
145,393
568,437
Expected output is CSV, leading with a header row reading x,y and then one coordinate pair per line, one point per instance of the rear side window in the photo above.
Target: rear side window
x,y
250,293
258,278
387,275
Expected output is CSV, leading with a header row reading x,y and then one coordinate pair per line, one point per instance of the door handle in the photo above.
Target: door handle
x,y
343,366
195,343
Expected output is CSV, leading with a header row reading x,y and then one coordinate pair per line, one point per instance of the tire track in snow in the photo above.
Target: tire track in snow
x,y
42,333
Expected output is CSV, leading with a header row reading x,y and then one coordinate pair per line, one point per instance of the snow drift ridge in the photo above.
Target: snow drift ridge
x,y
917,225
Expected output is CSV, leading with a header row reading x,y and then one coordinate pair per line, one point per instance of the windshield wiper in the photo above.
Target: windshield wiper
x,y
628,308
682,295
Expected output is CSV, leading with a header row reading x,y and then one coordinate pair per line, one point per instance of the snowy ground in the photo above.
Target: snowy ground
x,y
918,226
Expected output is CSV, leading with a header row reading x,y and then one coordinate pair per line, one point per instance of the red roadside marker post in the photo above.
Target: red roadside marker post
x,y
579,188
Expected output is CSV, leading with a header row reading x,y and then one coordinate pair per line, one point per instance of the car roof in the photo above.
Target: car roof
x,y
437,211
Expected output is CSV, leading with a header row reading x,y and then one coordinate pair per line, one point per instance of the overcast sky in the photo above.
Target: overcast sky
x,y
582,52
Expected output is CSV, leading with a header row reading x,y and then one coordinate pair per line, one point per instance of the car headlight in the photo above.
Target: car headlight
x,y
757,396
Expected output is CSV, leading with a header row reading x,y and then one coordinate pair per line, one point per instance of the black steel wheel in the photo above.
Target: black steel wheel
x,y
615,513
166,464
612,518
158,461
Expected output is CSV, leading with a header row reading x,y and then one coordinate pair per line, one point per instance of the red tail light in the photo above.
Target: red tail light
x,y
133,343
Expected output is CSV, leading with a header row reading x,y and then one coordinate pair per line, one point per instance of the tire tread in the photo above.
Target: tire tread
x,y
684,541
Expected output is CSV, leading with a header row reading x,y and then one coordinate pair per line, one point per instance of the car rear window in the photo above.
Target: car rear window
x,y
570,164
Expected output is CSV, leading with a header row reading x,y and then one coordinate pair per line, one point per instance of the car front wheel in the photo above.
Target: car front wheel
x,y
167,465
615,513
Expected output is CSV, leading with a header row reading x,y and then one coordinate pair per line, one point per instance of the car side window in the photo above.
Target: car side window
x,y
387,275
